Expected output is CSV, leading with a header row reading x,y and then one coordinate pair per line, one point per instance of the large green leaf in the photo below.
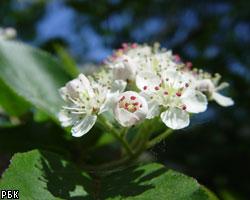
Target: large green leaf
x,y
10,102
33,75
44,176
40,175
151,181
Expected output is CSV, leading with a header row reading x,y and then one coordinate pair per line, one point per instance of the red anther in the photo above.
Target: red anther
x,y
157,88
177,58
145,87
189,65
133,98
134,109
123,97
178,94
126,105
186,85
134,45
136,103
184,107
165,93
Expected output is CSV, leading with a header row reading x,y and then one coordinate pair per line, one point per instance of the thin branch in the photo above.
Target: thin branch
x,y
159,138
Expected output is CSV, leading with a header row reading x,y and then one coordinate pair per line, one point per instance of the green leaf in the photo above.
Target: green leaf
x,y
44,176
40,175
68,62
11,103
32,74
151,181
40,116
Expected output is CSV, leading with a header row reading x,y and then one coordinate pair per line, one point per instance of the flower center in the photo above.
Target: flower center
x,y
130,103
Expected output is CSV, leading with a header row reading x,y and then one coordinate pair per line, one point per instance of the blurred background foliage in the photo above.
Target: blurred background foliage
x,y
214,35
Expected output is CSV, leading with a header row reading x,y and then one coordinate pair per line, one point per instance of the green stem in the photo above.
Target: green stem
x,y
112,130
159,138
139,147
141,134
124,133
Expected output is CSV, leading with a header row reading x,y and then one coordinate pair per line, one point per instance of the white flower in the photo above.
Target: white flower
x,y
130,108
172,92
124,63
168,88
138,50
85,100
124,68
209,87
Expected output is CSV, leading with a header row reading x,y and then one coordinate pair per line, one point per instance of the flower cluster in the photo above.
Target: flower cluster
x,y
140,82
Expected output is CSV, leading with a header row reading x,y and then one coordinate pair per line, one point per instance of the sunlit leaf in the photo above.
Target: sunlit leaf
x,y
12,104
40,175
32,74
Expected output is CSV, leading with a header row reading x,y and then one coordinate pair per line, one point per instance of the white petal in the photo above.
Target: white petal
x,y
83,126
131,65
128,94
85,84
194,101
119,85
64,118
153,109
142,112
175,118
222,86
174,78
125,118
80,85
109,104
124,69
63,93
73,87
205,85
120,72
147,80
153,106
222,100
